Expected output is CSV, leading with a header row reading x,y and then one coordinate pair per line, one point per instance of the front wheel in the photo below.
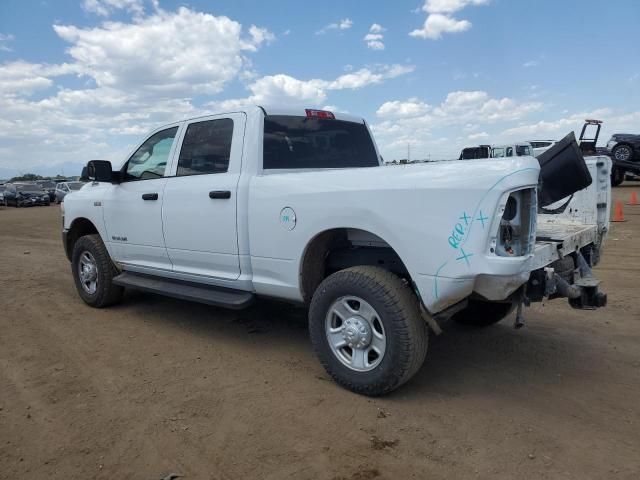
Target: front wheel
x,y
93,272
367,330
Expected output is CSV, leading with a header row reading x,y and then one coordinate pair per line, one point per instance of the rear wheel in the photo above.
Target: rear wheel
x,y
367,330
617,176
93,272
483,314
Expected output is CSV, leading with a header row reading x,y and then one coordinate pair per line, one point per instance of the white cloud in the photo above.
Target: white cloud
x,y
439,19
179,53
23,78
478,136
139,74
344,24
374,38
449,6
104,8
436,24
399,109
5,38
285,89
531,63
414,121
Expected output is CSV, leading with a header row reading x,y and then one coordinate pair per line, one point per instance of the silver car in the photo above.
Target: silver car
x,y
65,187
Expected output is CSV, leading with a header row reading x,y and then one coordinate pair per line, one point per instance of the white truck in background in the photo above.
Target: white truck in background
x,y
296,205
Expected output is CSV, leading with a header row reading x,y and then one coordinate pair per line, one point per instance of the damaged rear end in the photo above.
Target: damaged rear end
x,y
559,227
573,223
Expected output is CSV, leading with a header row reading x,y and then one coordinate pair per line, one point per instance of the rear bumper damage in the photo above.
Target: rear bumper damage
x,y
577,284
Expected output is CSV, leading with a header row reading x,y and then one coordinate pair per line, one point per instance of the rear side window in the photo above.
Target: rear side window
x,y
206,148
292,142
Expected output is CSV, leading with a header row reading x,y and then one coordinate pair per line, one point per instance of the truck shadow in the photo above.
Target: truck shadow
x,y
461,361
467,360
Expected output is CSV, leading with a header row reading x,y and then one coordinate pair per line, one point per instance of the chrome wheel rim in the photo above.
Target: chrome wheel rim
x,y
623,153
88,273
355,334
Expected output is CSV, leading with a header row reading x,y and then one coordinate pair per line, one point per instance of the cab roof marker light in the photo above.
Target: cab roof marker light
x,y
319,114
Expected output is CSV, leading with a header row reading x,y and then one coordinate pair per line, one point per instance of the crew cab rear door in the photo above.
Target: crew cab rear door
x,y
200,201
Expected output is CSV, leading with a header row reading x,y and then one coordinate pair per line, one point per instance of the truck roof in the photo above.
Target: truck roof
x,y
278,110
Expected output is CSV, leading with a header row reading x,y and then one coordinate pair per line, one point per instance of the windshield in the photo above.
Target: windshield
x,y
29,188
75,185
301,142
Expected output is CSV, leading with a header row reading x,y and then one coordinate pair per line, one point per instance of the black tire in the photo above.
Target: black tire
x,y
622,152
106,292
617,176
483,314
397,309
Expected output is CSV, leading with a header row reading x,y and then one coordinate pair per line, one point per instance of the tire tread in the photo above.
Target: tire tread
x,y
402,308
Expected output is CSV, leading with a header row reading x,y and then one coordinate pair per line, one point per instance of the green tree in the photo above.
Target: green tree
x,y
27,177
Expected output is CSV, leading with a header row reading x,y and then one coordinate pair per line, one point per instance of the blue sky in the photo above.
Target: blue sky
x,y
86,79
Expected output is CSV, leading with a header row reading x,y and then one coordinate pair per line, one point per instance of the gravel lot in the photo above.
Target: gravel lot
x,y
157,386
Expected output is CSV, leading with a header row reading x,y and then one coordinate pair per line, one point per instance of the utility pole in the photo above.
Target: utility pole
x,y
408,152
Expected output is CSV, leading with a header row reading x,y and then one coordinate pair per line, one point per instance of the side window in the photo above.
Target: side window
x,y
206,148
497,152
509,151
150,160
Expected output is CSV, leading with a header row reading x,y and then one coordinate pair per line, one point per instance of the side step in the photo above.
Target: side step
x,y
194,292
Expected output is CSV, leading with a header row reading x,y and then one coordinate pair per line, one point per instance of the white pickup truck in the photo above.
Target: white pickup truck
x,y
297,205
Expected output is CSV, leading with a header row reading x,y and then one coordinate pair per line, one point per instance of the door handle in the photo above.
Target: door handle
x,y
149,196
220,194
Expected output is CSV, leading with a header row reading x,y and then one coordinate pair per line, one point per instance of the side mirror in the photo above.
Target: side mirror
x,y
100,171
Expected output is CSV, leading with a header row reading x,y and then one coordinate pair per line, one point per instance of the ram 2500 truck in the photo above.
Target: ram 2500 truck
x,y
296,205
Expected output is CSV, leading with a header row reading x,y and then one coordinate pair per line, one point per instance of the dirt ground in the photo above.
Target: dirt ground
x,y
157,386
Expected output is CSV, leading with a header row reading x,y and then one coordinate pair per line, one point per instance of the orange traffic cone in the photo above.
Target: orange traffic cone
x,y
634,199
618,215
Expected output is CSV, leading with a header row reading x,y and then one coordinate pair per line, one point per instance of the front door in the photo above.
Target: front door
x,y
133,208
200,198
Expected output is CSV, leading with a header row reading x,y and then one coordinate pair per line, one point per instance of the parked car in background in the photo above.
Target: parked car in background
x,y
624,146
50,187
513,150
540,146
2,189
496,151
475,153
65,187
25,195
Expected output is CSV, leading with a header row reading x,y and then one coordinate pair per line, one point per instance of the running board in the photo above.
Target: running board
x,y
194,292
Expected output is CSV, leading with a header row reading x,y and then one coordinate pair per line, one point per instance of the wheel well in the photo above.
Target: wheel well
x,y
340,248
79,228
